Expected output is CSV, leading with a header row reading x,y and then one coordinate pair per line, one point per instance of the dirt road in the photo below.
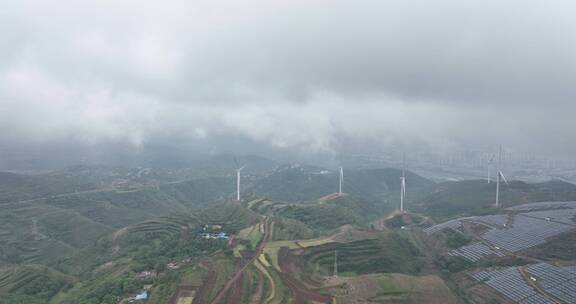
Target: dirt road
x,y
222,293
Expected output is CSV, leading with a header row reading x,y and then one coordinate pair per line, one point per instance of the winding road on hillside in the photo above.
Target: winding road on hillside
x,y
222,293
98,190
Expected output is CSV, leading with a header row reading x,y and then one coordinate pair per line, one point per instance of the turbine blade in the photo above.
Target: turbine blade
x,y
236,162
503,178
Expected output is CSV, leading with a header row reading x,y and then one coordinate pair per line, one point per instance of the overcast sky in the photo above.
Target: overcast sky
x,y
296,74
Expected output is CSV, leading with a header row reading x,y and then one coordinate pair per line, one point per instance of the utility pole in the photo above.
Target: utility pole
x,y
335,263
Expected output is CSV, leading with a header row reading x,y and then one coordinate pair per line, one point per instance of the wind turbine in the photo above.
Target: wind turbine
x,y
499,175
403,184
490,163
238,171
341,181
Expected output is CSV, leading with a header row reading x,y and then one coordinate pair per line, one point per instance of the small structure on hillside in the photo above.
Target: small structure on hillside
x,y
212,227
172,266
216,236
147,275
143,296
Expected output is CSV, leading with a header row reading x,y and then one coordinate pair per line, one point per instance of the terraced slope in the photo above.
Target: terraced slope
x,y
40,233
391,253
323,216
26,283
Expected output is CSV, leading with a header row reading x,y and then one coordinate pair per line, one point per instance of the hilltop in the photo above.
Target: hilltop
x,y
472,197
299,183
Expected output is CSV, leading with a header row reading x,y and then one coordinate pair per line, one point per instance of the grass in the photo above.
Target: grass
x,y
253,235
560,248
272,255
193,277
272,248
185,300
225,269
396,288
271,284
315,242
263,260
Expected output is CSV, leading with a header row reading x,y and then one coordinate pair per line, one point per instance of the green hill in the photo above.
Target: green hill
x,y
20,187
305,183
330,215
40,233
151,245
296,183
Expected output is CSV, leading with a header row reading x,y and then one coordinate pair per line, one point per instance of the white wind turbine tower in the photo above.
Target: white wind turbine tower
x,y
499,175
238,171
341,181
403,184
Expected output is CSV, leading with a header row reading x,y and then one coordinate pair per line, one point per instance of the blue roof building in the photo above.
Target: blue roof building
x,y
141,296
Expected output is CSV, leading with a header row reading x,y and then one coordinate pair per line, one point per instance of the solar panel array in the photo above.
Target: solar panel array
x,y
493,220
544,205
514,232
511,284
474,252
452,224
565,216
571,269
557,281
525,232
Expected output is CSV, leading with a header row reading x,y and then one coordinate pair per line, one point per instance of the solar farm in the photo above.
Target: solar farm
x,y
524,227
452,224
559,282
556,284
511,284
475,252
526,232
544,205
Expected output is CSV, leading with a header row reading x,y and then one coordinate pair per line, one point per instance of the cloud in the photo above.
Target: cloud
x,y
302,75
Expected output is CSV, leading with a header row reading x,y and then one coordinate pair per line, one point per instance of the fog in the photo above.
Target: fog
x,y
303,77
